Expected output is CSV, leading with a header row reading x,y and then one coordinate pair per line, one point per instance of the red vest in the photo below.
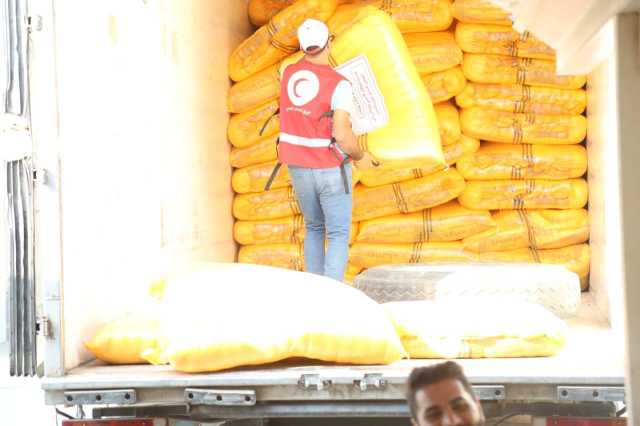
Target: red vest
x,y
305,136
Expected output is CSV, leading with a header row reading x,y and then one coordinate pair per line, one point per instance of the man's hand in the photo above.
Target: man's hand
x,y
344,136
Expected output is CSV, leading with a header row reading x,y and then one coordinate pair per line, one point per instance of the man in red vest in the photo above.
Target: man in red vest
x,y
316,142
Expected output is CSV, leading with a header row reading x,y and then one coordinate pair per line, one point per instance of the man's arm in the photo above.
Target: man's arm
x,y
344,136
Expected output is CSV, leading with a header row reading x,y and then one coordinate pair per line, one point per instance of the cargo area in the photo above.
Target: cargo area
x,y
142,157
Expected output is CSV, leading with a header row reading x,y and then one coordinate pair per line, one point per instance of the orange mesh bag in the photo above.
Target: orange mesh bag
x,y
575,258
266,205
277,39
254,178
283,230
509,127
452,153
541,229
448,222
509,70
408,196
255,91
501,40
448,122
521,98
244,129
433,52
480,12
501,161
525,194
263,151
444,85
367,255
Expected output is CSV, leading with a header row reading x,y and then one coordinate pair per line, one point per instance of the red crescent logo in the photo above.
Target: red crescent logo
x,y
295,86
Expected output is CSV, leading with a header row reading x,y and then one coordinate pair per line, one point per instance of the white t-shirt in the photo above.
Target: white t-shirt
x,y
342,97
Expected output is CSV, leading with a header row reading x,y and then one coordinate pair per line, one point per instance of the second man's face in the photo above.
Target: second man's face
x,y
447,403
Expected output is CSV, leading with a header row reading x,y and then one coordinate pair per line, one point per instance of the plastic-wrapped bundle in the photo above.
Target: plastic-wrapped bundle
x,y
254,178
501,161
501,40
266,205
480,12
124,340
255,91
521,98
244,129
262,152
452,153
509,70
444,85
525,194
448,222
368,255
575,258
283,230
261,11
541,229
509,127
277,39
448,122
433,52
408,196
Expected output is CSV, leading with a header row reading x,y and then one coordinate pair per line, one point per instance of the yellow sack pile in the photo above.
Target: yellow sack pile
x,y
501,40
500,161
521,98
509,127
448,122
355,330
408,196
418,16
445,223
277,39
480,12
487,327
509,70
261,11
433,52
452,153
244,129
272,204
283,255
284,230
263,151
254,178
124,340
525,194
444,85
410,138
368,255
351,273
541,229
255,91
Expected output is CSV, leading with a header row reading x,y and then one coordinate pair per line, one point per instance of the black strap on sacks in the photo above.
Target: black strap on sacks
x,y
278,165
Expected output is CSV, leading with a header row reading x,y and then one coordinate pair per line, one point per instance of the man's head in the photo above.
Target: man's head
x,y
441,395
314,37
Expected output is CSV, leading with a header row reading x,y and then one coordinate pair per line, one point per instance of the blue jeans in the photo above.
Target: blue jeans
x,y
327,212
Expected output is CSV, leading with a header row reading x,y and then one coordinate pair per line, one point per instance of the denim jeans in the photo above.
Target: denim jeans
x,y
327,213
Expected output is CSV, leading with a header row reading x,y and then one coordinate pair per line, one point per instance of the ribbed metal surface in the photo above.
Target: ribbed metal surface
x,y
22,324
13,39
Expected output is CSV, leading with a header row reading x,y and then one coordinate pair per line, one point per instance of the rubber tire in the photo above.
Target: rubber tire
x,y
551,286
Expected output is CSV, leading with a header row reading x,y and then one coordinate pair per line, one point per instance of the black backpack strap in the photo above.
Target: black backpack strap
x,y
343,162
275,171
266,123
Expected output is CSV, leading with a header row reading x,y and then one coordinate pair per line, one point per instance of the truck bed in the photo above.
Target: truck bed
x,y
592,357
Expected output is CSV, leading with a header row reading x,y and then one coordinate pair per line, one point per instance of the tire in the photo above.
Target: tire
x,y
551,286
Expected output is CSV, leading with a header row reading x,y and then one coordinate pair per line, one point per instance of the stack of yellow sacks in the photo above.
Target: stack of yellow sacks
x,y
517,196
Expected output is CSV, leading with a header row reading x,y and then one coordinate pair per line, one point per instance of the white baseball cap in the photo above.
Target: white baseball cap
x,y
313,34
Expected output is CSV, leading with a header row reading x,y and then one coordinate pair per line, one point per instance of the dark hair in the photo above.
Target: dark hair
x,y
424,376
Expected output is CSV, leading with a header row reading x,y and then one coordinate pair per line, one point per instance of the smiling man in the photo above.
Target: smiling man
x,y
441,395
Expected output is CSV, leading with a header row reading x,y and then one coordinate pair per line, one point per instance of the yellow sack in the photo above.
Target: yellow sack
x,y
541,229
448,222
510,70
433,52
244,129
266,205
477,328
282,255
123,341
419,16
351,273
448,122
367,255
261,11
500,161
444,85
452,153
262,152
355,330
501,40
254,178
574,258
406,197
509,127
277,39
525,194
520,98
283,230
480,12
255,91
410,138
